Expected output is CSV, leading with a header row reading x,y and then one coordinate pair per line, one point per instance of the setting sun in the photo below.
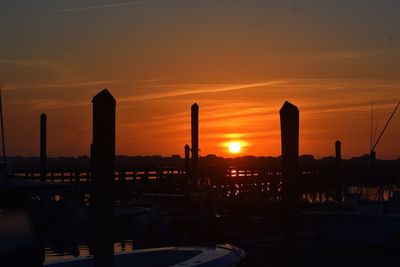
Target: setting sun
x,y
234,147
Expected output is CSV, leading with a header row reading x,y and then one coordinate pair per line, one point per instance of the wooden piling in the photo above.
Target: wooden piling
x,y
195,141
338,152
289,118
340,185
43,146
103,166
187,159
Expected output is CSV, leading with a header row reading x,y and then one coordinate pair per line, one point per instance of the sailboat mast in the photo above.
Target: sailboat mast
x,y
2,128
372,125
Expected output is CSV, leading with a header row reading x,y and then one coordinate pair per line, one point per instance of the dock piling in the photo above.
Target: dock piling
x,y
43,146
187,159
289,119
103,166
195,141
338,165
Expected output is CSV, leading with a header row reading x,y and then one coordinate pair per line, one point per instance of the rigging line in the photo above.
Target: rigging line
x,y
387,124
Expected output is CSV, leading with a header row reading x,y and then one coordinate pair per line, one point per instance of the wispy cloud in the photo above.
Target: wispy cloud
x,y
200,90
33,63
58,84
44,104
340,55
347,108
345,55
87,8
334,88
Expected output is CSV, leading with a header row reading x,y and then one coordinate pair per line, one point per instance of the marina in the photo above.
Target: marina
x,y
182,133
182,212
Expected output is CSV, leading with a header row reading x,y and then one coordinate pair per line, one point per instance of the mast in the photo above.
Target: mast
x,y
2,128
371,140
5,169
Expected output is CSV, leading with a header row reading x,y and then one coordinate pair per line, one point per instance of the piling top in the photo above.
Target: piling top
x,y
104,97
288,107
187,146
338,142
195,106
43,115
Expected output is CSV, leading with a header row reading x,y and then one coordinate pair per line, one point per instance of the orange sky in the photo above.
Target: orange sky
x,y
239,60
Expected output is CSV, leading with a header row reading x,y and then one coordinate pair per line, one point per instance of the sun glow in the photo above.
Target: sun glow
x,y
234,147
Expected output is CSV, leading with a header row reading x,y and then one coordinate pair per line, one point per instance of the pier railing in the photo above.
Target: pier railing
x,y
309,176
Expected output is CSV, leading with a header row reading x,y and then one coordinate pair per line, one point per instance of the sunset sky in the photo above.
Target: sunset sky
x,y
239,60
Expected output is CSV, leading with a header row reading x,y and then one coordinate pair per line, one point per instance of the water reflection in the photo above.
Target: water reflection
x,y
250,185
82,250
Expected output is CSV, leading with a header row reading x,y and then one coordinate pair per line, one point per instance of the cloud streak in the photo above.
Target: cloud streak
x,y
87,8
77,84
32,63
346,55
206,90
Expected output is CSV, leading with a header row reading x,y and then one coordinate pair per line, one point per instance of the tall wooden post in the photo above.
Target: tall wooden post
x,y
289,116
195,141
338,152
340,185
103,166
187,159
43,146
